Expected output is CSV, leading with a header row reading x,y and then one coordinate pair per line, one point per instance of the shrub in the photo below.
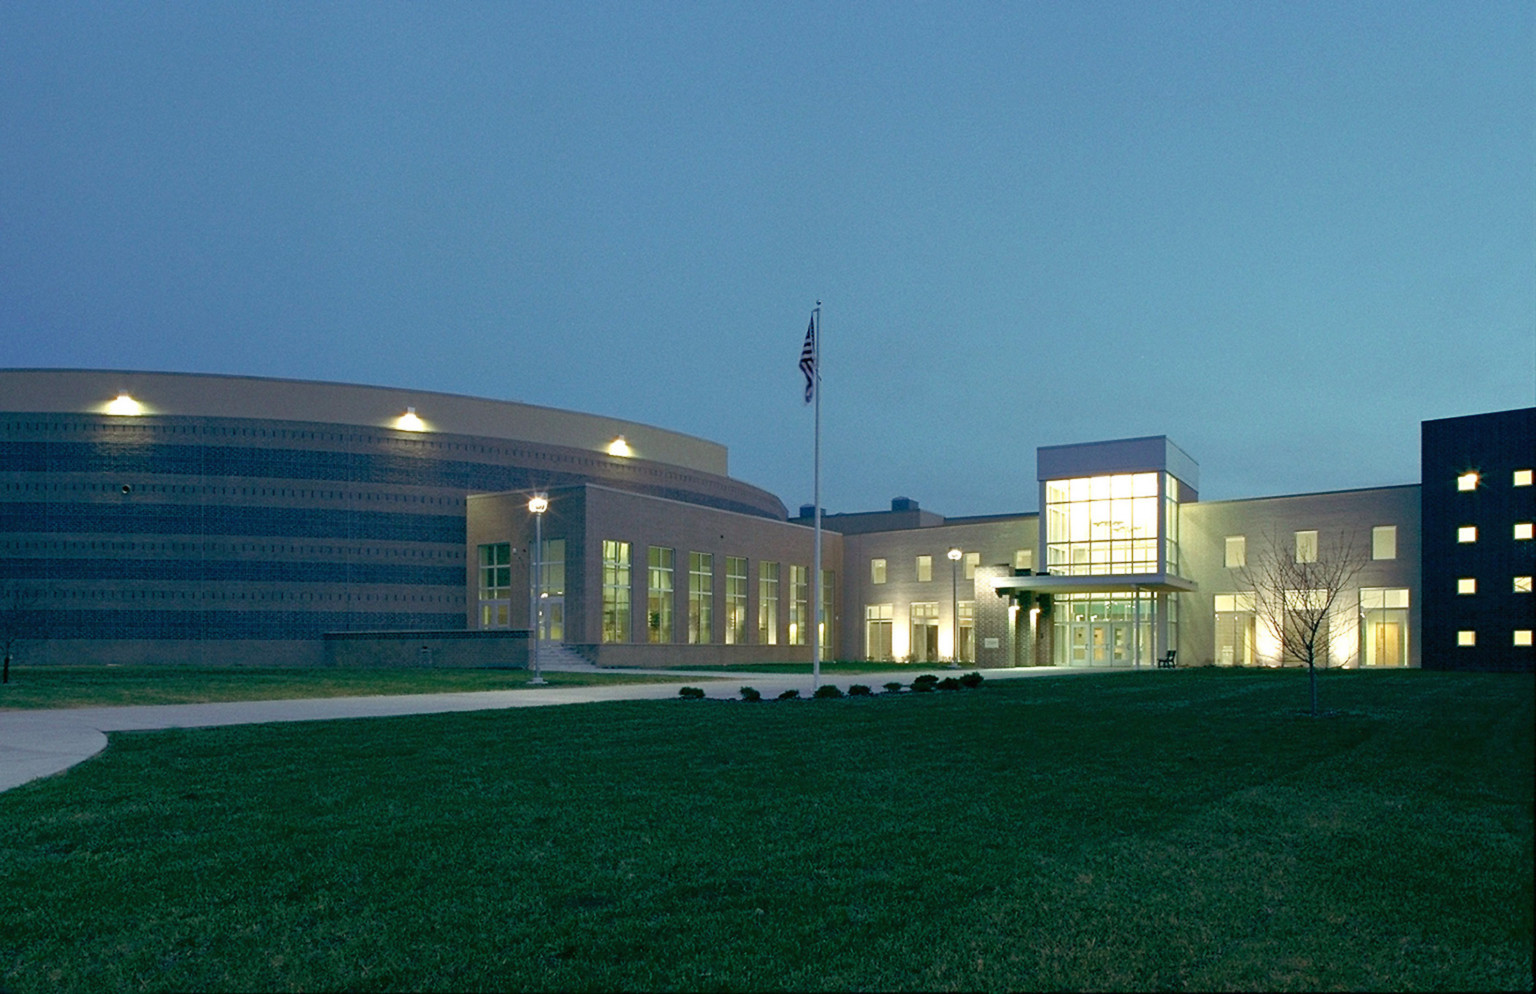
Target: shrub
x,y
827,690
971,679
949,683
924,683
894,687
691,693
858,690
750,694
789,695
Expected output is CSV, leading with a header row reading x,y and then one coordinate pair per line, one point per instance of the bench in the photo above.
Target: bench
x,y
1168,661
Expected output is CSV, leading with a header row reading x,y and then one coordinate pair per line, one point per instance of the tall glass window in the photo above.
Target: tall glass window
x,y
965,633
827,627
799,599
877,571
1236,629
659,595
767,603
925,632
701,598
615,591
735,600
1384,633
924,569
1108,524
551,592
496,585
877,632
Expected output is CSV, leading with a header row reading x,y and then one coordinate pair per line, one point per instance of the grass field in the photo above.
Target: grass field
x,y
107,686
1183,830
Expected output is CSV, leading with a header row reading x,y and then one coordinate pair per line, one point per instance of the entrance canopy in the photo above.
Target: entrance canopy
x,y
1103,583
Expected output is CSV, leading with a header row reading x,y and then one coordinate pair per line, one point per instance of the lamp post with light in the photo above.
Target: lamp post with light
x,y
537,505
954,604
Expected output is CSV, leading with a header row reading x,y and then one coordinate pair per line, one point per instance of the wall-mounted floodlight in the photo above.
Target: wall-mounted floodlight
x,y
125,406
619,447
409,421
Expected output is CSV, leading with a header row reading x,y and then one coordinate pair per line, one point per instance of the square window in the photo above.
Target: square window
x,y
1024,559
1522,584
972,560
1522,636
1522,477
1384,542
1466,534
1306,546
1523,530
1466,481
1466,585
1466,637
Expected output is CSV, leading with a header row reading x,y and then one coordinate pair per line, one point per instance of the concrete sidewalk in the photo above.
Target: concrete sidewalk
x,y
40,743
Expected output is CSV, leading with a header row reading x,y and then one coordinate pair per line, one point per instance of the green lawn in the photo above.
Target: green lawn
x,y
1150,830
105,686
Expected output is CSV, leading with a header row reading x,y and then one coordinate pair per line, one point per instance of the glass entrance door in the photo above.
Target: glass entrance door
x,y
551,619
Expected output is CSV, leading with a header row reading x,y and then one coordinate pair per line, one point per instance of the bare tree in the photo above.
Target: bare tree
x,y
19,619
1299,586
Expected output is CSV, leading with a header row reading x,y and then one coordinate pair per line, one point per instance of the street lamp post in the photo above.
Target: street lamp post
x,y
537,505
954,604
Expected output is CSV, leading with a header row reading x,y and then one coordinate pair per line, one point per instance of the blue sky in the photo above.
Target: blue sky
x,y
1281,234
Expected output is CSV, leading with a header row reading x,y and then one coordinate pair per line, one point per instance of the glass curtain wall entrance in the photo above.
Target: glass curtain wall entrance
x,y
1101,630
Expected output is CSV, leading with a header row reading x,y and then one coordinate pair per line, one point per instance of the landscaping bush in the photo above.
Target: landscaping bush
x,y
894,687
827,690
691,693
858,690
924,683
949,683
971,679
789,695
751,694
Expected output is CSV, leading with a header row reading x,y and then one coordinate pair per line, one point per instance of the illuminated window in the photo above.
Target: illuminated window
x,y
925,632
1523,530
799,601
1306,546
1384,621
877,632
1522,477
965,632
877,571
1237,551
1466,481
767,603
924,569
735,600
615,591
659,586
1466,585
1522,636
972,560
1024,559
1384,542
1110,524
1466,534
496,585
1466,637
701,598
1522,584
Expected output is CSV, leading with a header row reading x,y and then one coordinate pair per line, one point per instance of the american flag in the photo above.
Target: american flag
x,y
808,360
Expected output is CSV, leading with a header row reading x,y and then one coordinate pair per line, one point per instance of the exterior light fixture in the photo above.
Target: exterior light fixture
x,y
537,505
409,421
619,447
125,406
954,603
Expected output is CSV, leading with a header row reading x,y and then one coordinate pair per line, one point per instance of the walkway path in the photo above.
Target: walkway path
x,y
40,743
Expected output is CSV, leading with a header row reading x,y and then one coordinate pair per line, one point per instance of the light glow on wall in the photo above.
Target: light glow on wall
x,y
409,421
619,447
124,406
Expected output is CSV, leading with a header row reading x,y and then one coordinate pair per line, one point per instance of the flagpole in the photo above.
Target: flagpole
x,y
816,618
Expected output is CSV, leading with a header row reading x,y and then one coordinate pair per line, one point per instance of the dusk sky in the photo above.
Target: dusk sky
x,y
1282,234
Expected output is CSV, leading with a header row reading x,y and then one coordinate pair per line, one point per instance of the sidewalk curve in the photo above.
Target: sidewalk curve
x,y
36,744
